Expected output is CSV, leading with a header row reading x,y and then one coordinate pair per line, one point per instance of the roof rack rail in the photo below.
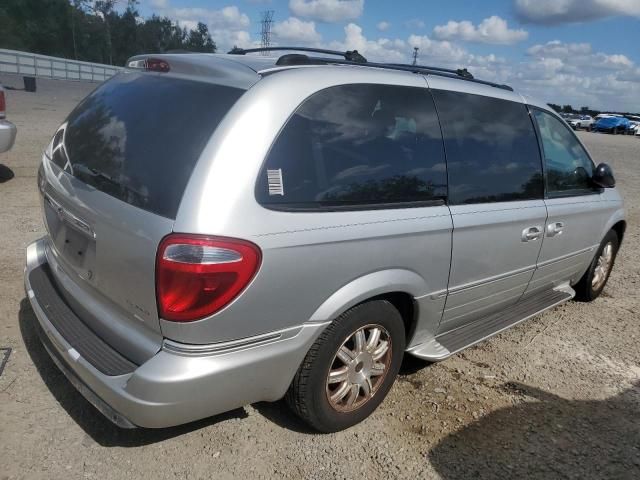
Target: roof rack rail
x,y
352,57
349,55
462,72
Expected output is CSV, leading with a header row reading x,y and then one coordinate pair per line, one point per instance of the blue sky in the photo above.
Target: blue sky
x,y
583,52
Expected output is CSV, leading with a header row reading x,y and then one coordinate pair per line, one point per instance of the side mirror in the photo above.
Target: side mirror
x,y
603,176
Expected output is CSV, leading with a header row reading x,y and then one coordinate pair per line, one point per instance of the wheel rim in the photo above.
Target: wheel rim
x,y
359,368
602,267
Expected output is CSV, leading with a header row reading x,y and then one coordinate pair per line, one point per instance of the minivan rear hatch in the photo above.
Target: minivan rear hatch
x,y
112,181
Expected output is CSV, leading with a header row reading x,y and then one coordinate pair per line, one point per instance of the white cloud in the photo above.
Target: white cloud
x,y
327,10
382,49
491,30
573,73
159,3
553,12
296,31
554,72
228,25
414,23
579,55
383,26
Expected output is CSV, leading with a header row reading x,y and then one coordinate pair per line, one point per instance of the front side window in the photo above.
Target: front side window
x,y
492,150
357,145
568,168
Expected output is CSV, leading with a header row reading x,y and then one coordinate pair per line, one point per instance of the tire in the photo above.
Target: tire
x,y
588,289
309,393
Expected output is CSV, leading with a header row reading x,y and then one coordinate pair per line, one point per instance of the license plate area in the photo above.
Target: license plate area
x,y
72,238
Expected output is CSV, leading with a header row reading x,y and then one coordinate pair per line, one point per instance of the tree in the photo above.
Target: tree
x,y
199,40
567,109
94,31
105,9
555,107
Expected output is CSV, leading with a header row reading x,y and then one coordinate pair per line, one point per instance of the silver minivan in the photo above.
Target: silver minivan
x,y
229,229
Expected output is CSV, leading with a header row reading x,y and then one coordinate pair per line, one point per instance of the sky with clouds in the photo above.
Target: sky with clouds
x,y
583,52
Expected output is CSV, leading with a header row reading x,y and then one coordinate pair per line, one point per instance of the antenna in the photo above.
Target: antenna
x,y
266,19
415,55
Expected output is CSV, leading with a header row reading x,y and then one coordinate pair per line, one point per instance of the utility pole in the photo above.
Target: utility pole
x,y
266,19
415,55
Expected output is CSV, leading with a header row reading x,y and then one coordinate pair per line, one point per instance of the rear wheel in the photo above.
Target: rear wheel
x,y
594,280
350,368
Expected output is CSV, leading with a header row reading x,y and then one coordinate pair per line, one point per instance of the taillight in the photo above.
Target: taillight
x,y
198,275
3,104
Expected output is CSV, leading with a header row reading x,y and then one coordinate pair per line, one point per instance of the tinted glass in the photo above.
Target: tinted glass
x,y
492,150
138,137
568,168
357,145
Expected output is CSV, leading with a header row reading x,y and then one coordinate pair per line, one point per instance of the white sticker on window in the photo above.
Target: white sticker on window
x,y
274,178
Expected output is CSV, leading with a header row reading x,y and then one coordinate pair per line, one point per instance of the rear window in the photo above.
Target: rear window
x,y
138,136
357,146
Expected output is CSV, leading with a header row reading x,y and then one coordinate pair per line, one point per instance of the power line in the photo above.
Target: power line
x,y
266,20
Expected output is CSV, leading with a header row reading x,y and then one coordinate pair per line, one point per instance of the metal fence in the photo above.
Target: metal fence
x,y
32,64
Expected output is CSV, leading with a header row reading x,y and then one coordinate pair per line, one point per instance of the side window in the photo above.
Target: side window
x,y
568,168
355,145
492,151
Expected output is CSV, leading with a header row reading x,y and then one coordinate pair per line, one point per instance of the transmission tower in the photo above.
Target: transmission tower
x,y
415,55
266,20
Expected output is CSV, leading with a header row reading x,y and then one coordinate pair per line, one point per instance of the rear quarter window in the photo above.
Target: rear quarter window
x,y
357,146
138,136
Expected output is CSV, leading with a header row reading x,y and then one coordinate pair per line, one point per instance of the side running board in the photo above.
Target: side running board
x,y
448,343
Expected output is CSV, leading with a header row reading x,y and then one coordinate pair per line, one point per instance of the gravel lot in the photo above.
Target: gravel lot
x,y
556,397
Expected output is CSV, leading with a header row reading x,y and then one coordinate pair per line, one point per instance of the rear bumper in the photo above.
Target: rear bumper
x,y
180,383
7,135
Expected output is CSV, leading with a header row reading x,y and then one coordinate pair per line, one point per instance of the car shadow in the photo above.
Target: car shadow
x,y
6,173
101,430
548,438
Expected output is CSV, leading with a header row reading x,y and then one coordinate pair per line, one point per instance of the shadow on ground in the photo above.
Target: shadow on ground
x,y
6,173
82,412
548,438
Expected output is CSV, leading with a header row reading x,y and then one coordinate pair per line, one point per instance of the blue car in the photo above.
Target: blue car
x,y
613,125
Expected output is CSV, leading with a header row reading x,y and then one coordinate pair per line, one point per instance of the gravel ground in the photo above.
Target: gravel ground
x,y
555,397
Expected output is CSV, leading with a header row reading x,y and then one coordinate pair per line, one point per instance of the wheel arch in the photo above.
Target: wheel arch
x,y
620,228
399,287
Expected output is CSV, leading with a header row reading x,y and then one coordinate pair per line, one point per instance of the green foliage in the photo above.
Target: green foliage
x,y
94,31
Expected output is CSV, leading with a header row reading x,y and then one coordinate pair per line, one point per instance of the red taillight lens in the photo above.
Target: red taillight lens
x,y
3,104
197,275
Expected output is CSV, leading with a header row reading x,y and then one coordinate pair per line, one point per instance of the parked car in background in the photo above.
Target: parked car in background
x,y
581,121
7,129
322,221
615,125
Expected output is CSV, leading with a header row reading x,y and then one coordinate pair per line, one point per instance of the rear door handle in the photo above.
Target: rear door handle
x,y
554,229
531,234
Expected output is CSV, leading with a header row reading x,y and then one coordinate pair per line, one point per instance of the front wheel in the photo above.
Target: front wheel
x,y
350,368
594,280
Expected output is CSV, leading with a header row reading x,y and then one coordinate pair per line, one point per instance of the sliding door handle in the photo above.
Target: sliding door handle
x,y
531,234
554,229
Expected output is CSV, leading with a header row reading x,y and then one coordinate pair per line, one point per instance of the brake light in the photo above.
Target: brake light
x,y
3,104
197,275
150,64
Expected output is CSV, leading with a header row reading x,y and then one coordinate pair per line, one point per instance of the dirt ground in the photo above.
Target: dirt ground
x,y
555,397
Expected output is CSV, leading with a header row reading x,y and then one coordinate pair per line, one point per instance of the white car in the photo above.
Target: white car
x,y
581,121
7,129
